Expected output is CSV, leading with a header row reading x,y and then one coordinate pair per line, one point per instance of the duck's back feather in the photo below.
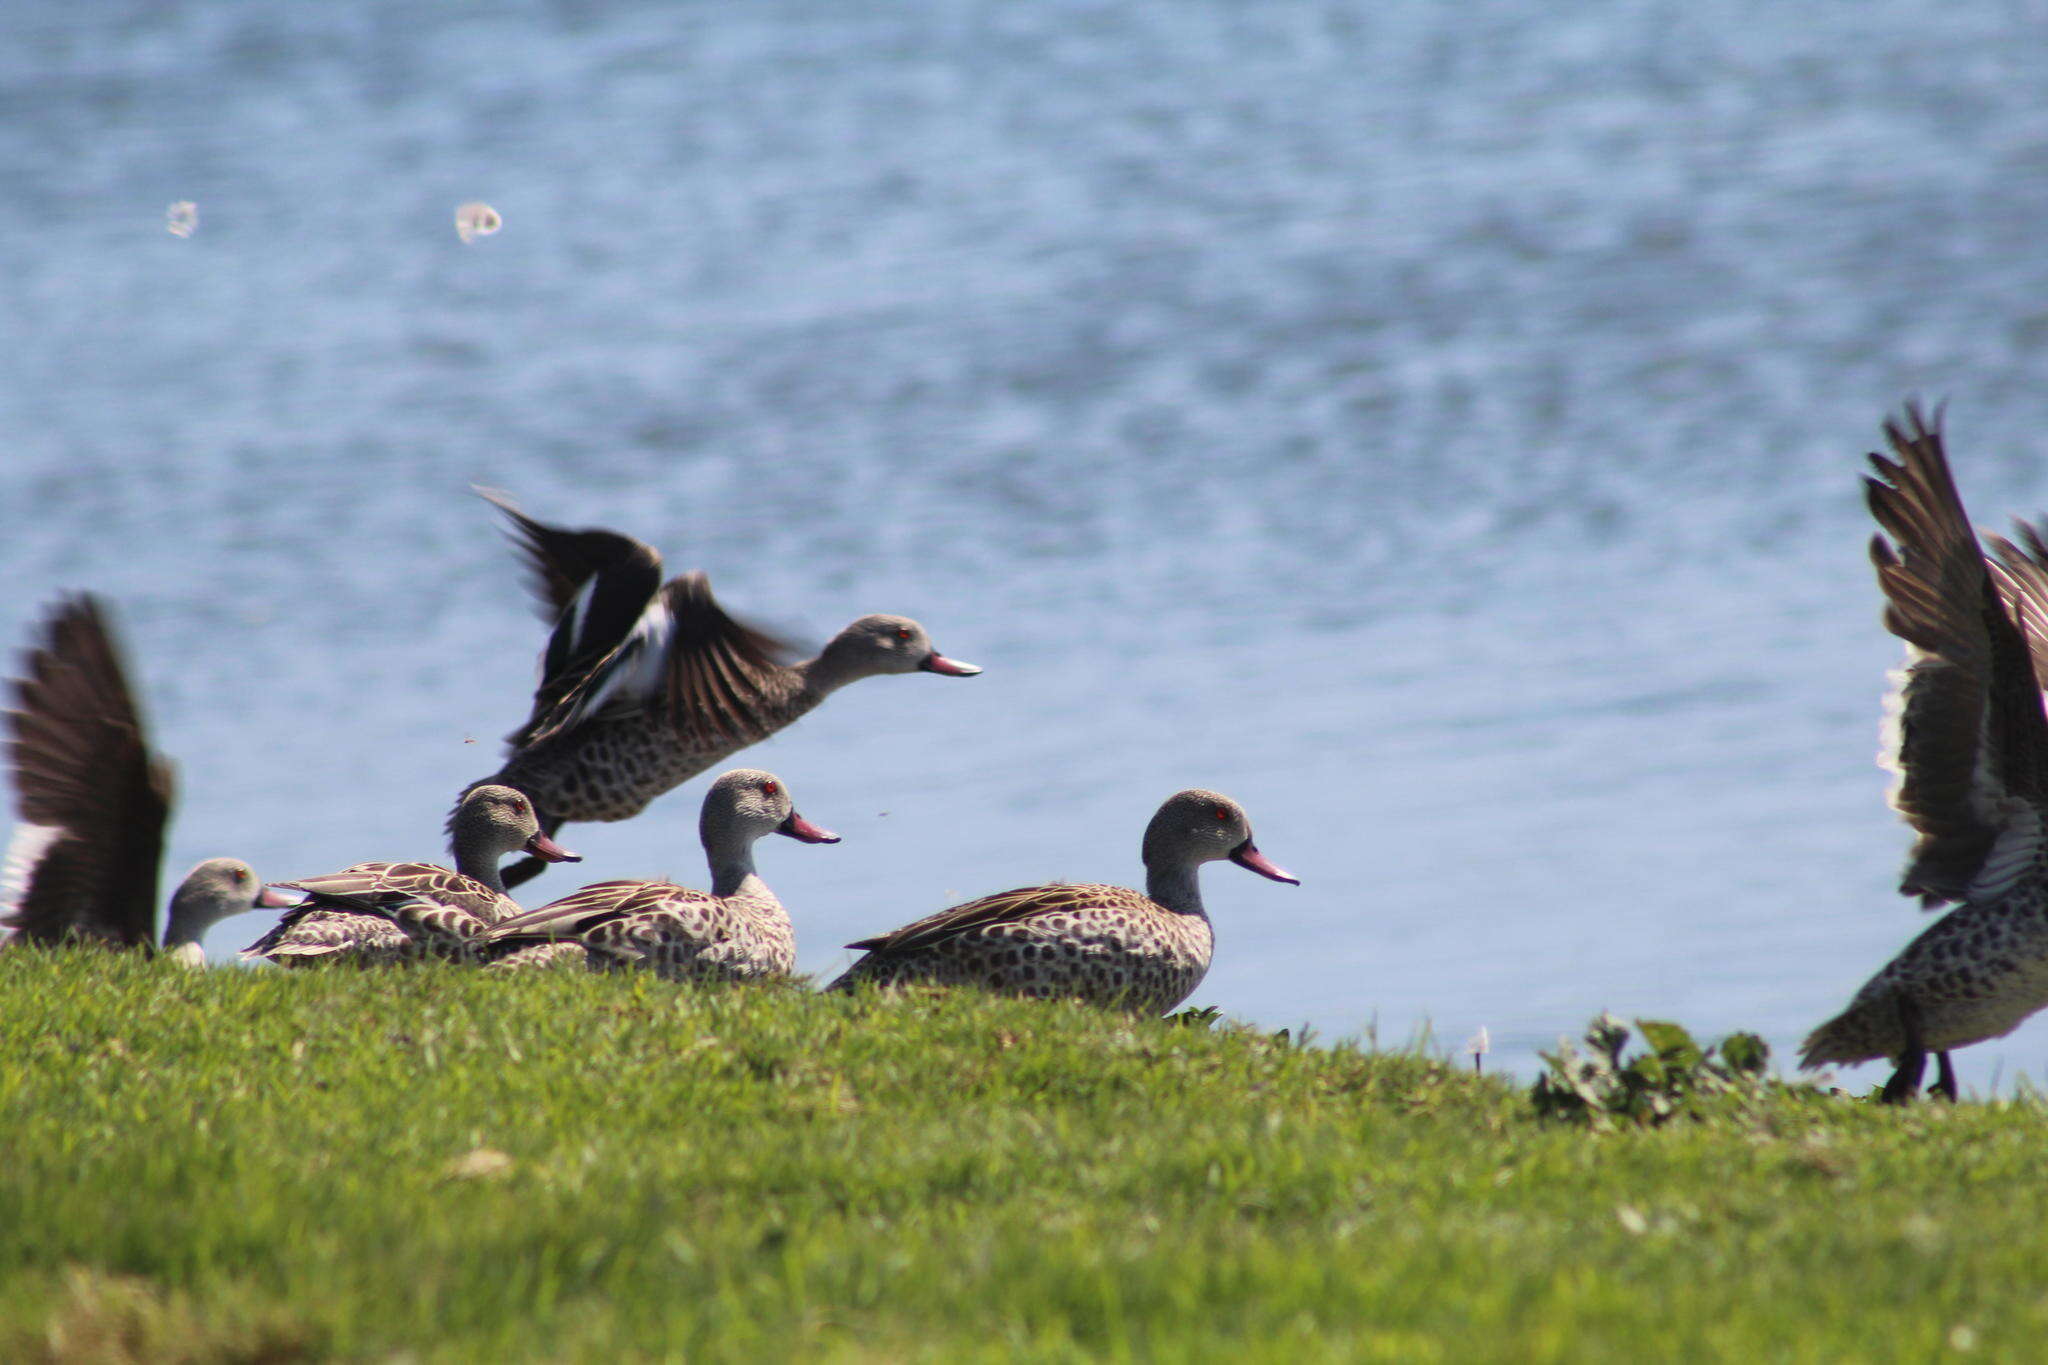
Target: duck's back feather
x,y
1004,907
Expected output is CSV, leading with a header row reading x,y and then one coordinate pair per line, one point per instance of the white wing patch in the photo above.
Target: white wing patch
x,y
1891,730
636,670
578,615
25,854
565,646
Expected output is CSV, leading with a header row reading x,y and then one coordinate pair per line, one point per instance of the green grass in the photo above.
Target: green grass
x,y
258,1165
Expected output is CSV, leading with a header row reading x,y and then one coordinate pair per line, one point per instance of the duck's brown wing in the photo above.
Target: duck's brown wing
x,y
713,678
1004,907
378,887
586,908
1972,741
591,586
317,931
84,774
2020,569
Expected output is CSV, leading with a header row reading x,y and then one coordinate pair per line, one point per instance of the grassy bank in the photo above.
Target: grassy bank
x,y
444,1165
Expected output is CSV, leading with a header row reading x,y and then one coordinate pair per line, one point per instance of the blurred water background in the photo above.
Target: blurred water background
x,y
1435,425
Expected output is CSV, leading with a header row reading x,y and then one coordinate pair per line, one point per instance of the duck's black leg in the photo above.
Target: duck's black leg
x,y
1912,1059
1905,1082
1944,1087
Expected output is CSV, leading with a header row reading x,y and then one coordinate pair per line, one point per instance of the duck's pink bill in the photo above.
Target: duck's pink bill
x,y
936,662
540,846
270,898
1249,856
796,827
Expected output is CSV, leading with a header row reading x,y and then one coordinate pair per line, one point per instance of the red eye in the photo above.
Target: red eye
x,y
1222,814
770,788
902,634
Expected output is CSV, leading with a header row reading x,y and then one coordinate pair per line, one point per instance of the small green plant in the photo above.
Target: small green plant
x,y
1673,1075
1202,1017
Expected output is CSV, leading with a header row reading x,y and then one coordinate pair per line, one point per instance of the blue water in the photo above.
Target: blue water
x,y
1436,426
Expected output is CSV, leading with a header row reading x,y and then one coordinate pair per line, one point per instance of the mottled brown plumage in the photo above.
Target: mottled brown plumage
x,y
1972,758
1109,945
736,931
383,912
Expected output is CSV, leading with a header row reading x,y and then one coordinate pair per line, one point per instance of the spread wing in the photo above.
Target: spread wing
x,y
592,586
1004,907
2021,573
1972,742
585,909
94,797
714,679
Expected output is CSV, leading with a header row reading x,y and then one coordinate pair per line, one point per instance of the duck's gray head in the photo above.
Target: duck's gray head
x,y
212,891
746,804
1197,826
890,644
495,821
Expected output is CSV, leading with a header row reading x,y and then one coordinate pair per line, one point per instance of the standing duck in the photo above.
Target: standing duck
x,y
1972,762
1108,945
383,912
644,684
94,801
739,931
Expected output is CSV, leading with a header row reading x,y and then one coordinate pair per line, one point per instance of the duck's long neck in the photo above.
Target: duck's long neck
x,y
182,945
192,914
477,857
733,874
1174,886
209,894
819,678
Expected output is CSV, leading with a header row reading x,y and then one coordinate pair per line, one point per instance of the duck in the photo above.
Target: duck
x,y
1109,945
386,912
95,801
1967,740
736,931
644,684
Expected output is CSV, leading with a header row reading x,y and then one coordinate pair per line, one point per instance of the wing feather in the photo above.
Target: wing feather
x,y
318,930
2020,571
83,768
586,908
716,678
391,888
722,671
591,585
1004,907
1972,738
